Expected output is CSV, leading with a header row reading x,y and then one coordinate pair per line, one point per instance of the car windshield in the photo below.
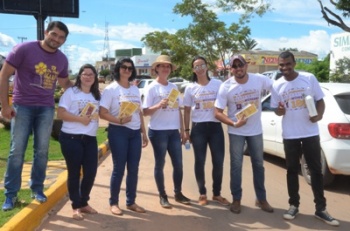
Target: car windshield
x,y
141,84
344,103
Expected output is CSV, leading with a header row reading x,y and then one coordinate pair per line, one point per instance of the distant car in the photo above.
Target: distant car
x,y
178,81
334,132
101,79
139,78
142,85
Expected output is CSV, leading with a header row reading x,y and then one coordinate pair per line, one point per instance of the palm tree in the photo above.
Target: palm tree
x,y
248,44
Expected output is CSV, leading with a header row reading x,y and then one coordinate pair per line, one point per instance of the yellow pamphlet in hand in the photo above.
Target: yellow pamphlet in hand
x,y
172,97
247,111
127,109
88,110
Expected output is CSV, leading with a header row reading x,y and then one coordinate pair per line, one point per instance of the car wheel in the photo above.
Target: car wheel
x,y
328,177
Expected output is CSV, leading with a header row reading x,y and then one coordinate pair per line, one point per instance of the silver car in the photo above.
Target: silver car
x,y
334,132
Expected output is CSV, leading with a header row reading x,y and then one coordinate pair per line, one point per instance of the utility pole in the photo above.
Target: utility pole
x,y
22,38
106,45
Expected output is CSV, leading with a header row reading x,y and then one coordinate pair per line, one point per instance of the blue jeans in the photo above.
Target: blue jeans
x,y
310,147
203,134
28,119
80,152
163,141
125,145
255,148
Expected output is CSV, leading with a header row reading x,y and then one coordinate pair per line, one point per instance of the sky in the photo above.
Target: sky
x,y
292,24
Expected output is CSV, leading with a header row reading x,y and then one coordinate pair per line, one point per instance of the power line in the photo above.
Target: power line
x,y
22,38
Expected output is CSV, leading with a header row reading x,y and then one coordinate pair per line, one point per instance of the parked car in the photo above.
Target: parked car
x,y
178,81
139,78
142,85
101,79
334,132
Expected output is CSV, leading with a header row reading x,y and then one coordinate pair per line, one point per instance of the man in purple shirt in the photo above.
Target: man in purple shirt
x,y
37,66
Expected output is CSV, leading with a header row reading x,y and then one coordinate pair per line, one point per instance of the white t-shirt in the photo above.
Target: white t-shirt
x,y
296,122
201,99
112,97
164,118
236,96
74,100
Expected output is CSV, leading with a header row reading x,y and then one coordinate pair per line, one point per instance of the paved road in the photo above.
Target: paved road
x,y
195,217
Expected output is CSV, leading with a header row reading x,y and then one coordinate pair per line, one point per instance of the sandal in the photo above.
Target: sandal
x,y
136,208
116,210
77,215
202,200
221,200
88,209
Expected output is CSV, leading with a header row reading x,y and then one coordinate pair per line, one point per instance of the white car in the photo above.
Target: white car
x,y
178,81
334,132
142,85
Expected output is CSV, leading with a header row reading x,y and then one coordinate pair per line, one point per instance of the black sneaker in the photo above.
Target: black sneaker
x,y
164,202
291,213
182,199
324,216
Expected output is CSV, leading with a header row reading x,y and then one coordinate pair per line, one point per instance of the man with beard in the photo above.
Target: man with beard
x,y
242,95
37,65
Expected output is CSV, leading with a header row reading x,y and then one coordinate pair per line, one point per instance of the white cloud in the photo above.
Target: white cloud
x,y
317,42
6,41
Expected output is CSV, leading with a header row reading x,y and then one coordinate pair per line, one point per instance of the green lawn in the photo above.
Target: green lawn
x,y
24,194
54,148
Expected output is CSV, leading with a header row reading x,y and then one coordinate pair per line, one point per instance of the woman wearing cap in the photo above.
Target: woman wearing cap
x,y
164,126
126,133
206,129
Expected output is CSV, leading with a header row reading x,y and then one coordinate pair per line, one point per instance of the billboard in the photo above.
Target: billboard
x,y
340,48
57,8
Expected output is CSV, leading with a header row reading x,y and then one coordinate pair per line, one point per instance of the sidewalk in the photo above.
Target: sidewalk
x,y
31,216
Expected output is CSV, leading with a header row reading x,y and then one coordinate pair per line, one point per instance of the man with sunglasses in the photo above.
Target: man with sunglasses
x,y
242,95
37,65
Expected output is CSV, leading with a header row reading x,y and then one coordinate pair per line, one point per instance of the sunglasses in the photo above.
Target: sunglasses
x,y
126,67
240,65
199,67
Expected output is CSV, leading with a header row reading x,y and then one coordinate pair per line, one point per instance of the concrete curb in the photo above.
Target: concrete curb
x,y
32,215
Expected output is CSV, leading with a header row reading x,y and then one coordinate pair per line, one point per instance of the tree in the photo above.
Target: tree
x,y
105,72
288,49
248,44
317,67
206,35
341,72
250,7
334,19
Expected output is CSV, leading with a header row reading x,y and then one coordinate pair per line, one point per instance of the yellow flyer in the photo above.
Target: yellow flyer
x,y
127,109
88,110
247,111
172,97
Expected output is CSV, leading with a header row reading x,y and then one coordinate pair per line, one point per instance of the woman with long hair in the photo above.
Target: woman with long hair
x,y
78,108
199,101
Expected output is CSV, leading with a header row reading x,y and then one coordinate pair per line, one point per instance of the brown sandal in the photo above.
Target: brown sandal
x,y
88,209
136,208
